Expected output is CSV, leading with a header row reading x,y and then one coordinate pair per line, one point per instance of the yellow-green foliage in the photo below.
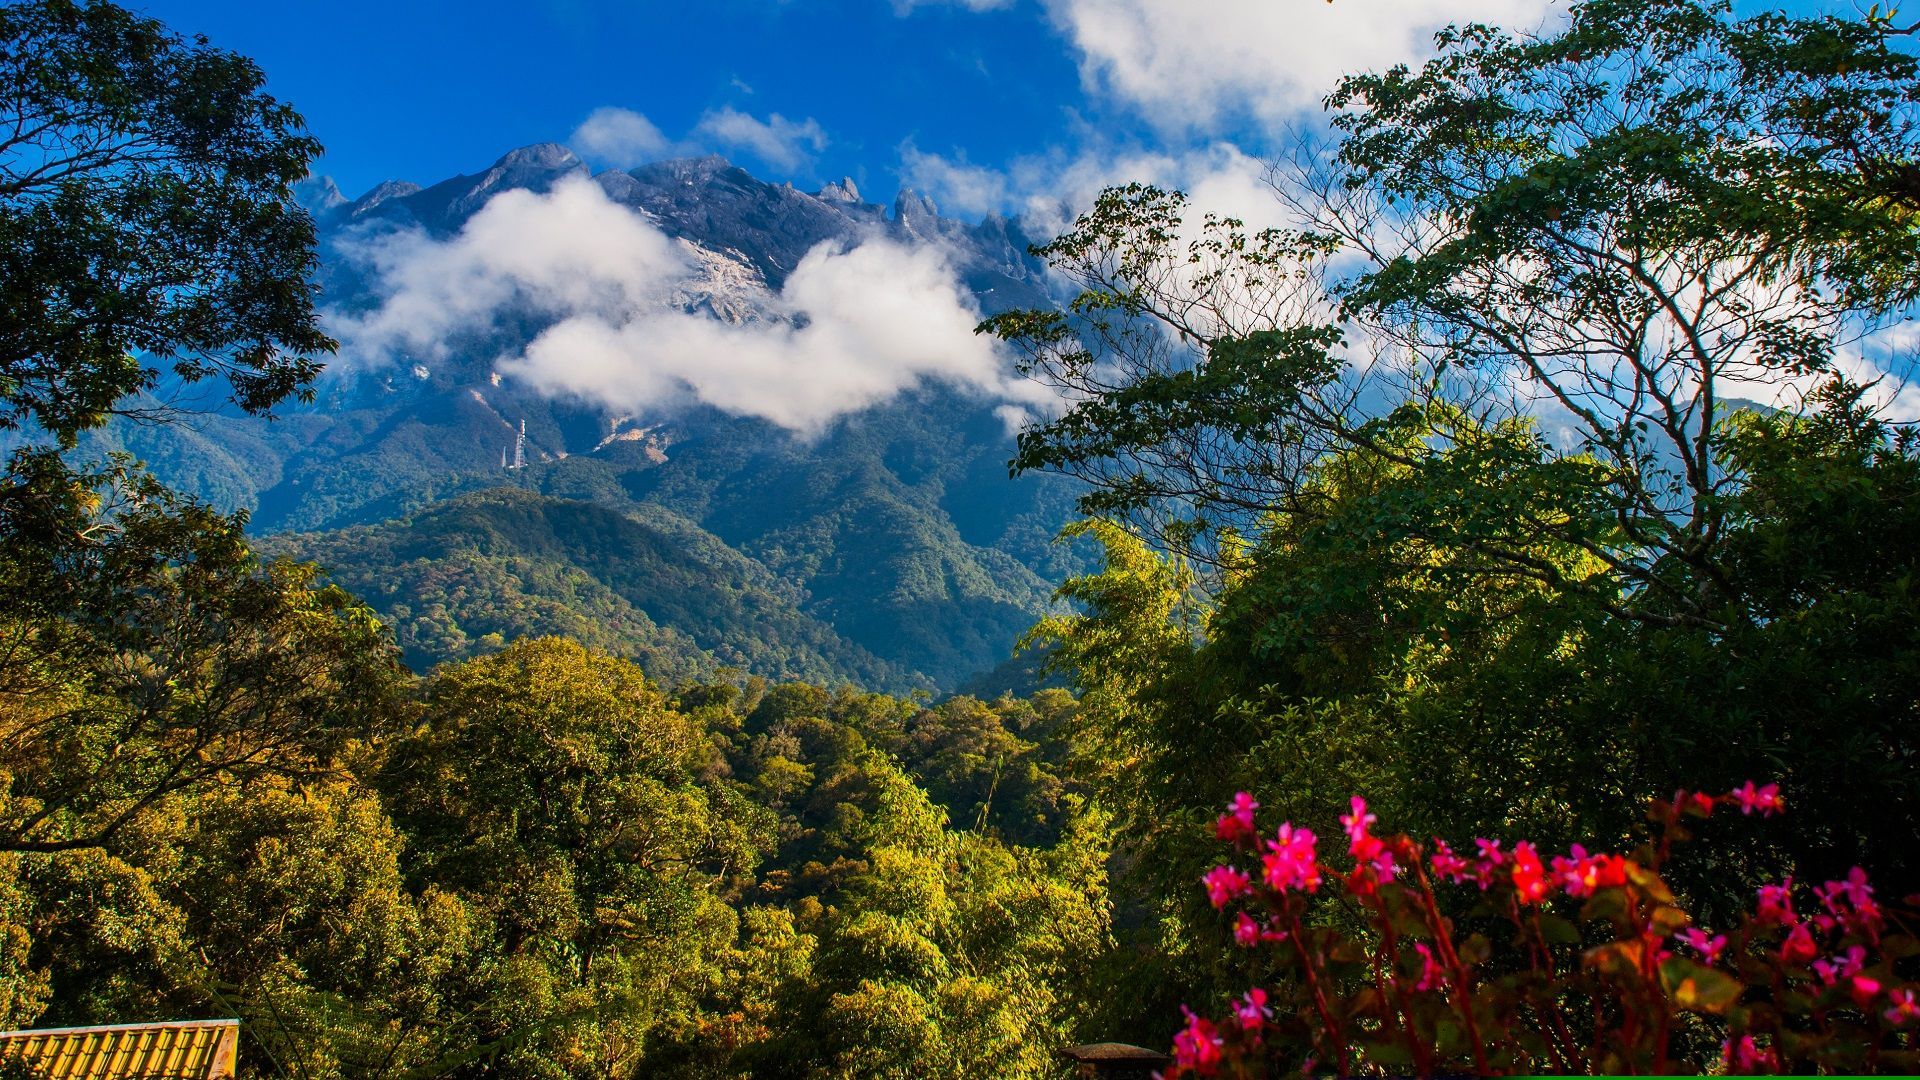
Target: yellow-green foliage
x,y
227,797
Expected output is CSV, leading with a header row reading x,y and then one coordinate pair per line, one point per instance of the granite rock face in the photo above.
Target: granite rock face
x,y
445,206
722,208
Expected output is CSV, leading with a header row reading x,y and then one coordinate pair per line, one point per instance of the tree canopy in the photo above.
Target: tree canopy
x,y
147,222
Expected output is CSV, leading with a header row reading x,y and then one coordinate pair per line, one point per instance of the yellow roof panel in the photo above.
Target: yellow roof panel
x,y
187,1050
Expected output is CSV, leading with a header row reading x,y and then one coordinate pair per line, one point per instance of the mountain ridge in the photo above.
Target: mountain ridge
x,y
896,528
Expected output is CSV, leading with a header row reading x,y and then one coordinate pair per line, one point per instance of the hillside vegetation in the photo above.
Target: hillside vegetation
x,y
1447,509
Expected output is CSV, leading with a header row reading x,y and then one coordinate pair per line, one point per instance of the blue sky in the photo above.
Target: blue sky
x,y
1027,107
990,104
421,91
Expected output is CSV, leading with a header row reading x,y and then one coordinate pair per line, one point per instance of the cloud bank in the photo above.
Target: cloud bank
x,y
778,141
1183,66
618,137
853,326
1047,190
623,138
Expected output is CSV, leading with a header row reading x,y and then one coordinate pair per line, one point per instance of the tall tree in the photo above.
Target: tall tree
x,y
1629,226
147,222
145,651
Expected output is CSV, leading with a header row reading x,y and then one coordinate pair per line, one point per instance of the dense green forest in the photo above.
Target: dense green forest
x,y
819,562
1534,476
474,572
898,551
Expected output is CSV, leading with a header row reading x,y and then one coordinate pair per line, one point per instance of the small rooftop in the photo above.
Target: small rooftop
x,y
182,1050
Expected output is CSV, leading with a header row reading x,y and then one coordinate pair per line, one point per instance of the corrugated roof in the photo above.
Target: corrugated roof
x,y
185,1050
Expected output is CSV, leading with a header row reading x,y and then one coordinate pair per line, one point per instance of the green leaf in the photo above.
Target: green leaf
x,y
1697,988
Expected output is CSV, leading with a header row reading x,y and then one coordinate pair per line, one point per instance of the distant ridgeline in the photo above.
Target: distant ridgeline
x,y
891,550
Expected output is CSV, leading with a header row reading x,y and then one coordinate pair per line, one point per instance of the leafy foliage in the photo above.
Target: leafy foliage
x,y
146,211
465,576
1337,559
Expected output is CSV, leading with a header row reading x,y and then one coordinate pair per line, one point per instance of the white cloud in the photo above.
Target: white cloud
x,y
1048,190
619,137
851,328
1886,362
958,187
880,318
571,250
1188,65
777,141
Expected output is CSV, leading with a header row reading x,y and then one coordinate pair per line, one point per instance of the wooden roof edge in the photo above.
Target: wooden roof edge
x,y
104,1028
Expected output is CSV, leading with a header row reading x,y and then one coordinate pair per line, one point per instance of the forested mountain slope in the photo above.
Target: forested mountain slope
x,y
898,549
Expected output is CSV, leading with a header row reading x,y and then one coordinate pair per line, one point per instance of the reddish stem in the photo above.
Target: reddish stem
x,y
1422,1060
1462,995
1338,1037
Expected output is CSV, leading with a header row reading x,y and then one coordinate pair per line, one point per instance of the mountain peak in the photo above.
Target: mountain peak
x,y
384,191
910,206
319,194
841,191
683,170
545,155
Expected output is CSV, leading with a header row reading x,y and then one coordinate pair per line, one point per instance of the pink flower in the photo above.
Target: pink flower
x,y
1798,949
1197,1047
1607,871
1529,877
1224,883
1863,990
1861,912
1291,861
1246,932
1359,821
1236,825
1252,1010
1363,882
1766,799
1904,1009
1747,1056
1382,864
1366,848
1709,948
1431,977
1776,905
1446,865
1489,861
1842,966
1570,871
1581,874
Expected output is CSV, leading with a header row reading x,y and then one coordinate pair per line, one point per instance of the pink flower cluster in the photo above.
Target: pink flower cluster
x,y
1580,874
1765,799
1201,1046
1420,974
1373,863
1848,907
1236,825
1291,862
1745,1055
